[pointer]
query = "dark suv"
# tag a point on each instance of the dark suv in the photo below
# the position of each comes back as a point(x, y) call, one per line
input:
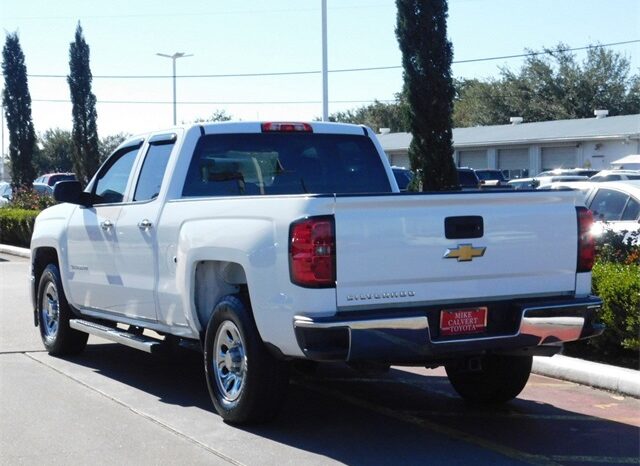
point(468, 179)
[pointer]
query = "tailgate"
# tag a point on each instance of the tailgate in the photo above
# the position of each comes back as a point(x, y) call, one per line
point(391, 249)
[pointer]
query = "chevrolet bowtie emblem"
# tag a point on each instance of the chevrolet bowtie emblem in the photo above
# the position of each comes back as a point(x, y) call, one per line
point(464, 253)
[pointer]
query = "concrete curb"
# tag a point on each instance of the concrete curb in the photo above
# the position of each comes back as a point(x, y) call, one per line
point(15, 251)
point(593, 374)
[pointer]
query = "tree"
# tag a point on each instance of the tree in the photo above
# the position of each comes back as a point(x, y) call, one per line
point(553, 86)
point(110, 143)
point(217, 115)
point(378, 115)
point(426, 58)
point(55, 152)
point(86, 154)
point(17, 106)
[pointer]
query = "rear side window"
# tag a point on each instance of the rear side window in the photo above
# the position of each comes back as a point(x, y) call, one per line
point(608, 204)
point(284, 163)
point(152, 173)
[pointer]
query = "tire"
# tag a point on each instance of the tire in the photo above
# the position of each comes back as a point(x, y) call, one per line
point(246, 383)
point(501, 378)
point(54, 313)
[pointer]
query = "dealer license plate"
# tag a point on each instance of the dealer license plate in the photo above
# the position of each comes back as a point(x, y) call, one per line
point(463, 321)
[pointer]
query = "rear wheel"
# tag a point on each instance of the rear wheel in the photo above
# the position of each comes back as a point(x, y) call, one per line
point(54, 314)
point(500, 378)
point(246, 383)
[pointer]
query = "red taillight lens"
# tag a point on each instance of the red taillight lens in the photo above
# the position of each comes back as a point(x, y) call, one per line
point(312, 252)
point(586, 243)
point(287, 127)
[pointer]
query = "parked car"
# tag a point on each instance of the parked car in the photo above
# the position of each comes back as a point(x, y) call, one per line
point(468, 179)
point(5, 193)
point(492, 179)
point(541, 182)
point(584, 187)
point(5, 190)
point(52, 178)
point(522, 183)
point(568, 172)
point(43, 189)
point(616, 175)
point(615, 206)
point(403, 177)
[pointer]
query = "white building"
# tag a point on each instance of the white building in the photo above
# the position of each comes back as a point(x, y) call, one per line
point(526, 149)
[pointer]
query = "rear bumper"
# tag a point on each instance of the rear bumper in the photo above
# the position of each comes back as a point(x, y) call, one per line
point(410, 335)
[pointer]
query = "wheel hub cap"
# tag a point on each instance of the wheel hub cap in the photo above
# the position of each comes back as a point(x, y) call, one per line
point(50, 311)
point(230, 364)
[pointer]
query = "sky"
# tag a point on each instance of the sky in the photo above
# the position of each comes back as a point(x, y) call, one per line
point(256, 37)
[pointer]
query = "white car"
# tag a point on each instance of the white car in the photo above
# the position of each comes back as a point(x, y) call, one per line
point(584, 187)
point(615, 206)
point(539, 182)
point(5, 193)
point(616, 175)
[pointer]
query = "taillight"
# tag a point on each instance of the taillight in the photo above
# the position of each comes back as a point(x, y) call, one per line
point(586, 243)
point(286, 127)
point(312, 252)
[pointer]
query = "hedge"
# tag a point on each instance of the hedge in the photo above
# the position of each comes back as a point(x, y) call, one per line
point(619, 287)
point(616, 279)
point(16, 226)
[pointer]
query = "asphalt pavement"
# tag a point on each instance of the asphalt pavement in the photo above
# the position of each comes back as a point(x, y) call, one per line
point(115, 405)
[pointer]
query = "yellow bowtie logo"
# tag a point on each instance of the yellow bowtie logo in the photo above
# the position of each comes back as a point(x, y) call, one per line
point(464, 253)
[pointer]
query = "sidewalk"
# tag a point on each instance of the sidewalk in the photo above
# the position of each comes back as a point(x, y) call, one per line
point(593, 374)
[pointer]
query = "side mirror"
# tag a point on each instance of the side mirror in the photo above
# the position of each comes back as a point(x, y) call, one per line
point(71, 192)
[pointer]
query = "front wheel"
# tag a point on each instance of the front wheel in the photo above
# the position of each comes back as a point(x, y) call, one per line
point(54, 314)
point(246, 383)
point(500, 378)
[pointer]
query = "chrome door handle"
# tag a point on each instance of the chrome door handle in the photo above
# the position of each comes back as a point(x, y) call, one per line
point(106, 225)
point(145, 224)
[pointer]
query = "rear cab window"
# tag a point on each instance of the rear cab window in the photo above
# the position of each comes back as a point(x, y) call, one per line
point(285, 163)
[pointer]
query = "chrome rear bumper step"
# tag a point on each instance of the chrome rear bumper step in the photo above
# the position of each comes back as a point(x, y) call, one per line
point(139, 342)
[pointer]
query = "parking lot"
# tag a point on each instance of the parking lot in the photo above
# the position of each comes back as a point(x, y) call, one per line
point(114, 405)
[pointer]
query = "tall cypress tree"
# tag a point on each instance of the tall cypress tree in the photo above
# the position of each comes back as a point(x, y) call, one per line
point(86, 153)
point(17, 107)
point(426, 58)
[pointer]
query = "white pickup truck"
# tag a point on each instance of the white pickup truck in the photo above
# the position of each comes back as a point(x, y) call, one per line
point(266, 243)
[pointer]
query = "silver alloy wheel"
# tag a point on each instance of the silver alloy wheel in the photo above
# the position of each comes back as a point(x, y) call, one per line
point(230, 364)
point(50, 311)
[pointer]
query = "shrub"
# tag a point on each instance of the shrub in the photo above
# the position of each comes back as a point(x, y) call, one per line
point(616, 279)
point(619, 287)
point(16, 226)
point(28, 199)
point(621, 248)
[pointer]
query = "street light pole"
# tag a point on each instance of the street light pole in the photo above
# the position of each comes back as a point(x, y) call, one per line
point(325, 77)
point(174, 57)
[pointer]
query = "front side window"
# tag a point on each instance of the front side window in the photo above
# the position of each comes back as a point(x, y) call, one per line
point(608, 204)
point(285, 163)
point(112, 181)
point(152, 173)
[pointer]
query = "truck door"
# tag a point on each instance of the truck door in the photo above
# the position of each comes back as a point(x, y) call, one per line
point(92, 237)
point(137, 257)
